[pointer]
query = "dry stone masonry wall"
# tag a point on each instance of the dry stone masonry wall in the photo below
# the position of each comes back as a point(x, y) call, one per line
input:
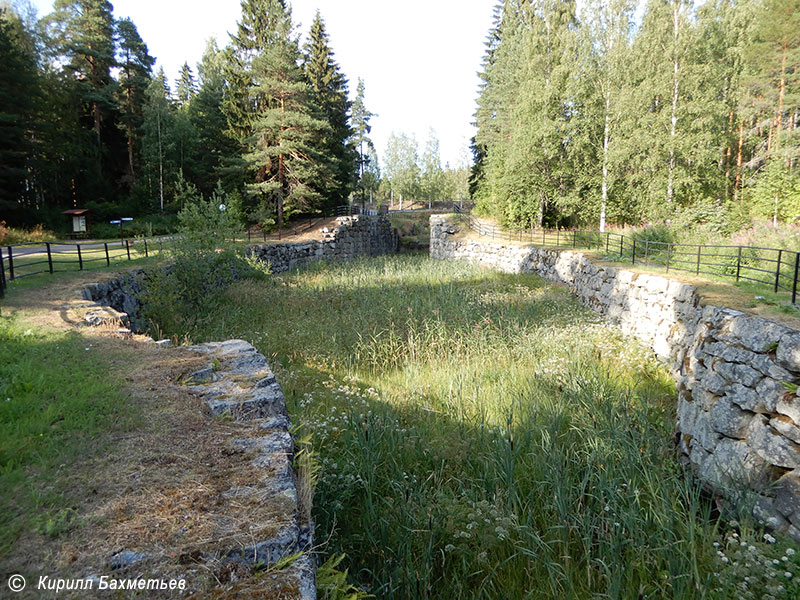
point(360, 235)
point(737, 424)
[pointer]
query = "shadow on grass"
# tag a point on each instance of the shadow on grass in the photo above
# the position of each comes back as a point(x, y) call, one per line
point(450, 466)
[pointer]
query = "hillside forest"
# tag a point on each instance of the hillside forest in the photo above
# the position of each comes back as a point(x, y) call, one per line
point(589, 113)
point(617, 111)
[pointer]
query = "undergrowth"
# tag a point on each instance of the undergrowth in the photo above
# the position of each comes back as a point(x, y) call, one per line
point(481, 435)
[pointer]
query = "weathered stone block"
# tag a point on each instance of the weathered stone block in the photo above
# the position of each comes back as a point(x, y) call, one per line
point(787, 493)
point(789, 405)
point(745, 397)
point(729, 420)
point(737, 373)
point(788, 352)
point(755, 333)
point(772, 446)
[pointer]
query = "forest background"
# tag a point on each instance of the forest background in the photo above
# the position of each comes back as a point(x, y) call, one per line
point(590, 113)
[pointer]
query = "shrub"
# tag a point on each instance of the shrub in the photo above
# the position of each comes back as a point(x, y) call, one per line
point(204, 260)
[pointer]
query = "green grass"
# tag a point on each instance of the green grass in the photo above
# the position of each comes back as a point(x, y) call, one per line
point(57, 402)
point(481, 435)
point(412, 228)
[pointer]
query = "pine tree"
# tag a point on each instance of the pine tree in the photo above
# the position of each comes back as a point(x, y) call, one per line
point(135, 65)
point(362, 142)
point(270, 112)
point(329, 93)
point(773, 76)
point(85, 33)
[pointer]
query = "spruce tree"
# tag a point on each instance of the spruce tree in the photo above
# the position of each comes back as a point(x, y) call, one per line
point(329, 93)
point(214, 148)
point(186, 87)
point(20, 97)
point(158, 147)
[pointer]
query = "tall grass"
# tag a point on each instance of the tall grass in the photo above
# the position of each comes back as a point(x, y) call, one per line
point(482, 436)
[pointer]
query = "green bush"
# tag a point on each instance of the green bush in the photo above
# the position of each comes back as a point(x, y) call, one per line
point(204, 259)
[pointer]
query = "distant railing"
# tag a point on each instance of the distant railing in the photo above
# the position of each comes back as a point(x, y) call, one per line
point(774, 267)
point(24, 260)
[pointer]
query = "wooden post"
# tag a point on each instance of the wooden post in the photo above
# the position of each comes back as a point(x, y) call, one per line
point(145, 249)
point(49, 258)
point(646, 251)
point(108, 258)
point(128, 249)
point(633, 254)
point(80, 258)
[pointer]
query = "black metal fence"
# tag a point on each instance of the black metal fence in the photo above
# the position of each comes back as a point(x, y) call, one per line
point(773, 267)
point(24, 260)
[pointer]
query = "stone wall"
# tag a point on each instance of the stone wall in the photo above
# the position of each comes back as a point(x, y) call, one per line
point(359, 235)
point(737, 425)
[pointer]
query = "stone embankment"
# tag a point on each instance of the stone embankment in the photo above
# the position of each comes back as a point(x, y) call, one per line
point(359, 235)
point(738, 424)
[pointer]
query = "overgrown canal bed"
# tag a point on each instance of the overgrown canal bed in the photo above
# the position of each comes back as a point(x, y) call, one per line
point(482, 435)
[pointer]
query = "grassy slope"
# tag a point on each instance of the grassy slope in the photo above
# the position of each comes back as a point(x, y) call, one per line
point(59, 400)
point(481, 435)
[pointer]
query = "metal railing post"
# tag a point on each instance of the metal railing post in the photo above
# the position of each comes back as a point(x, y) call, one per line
point(608, 239)
point(794, 282)
point(574, 238)
point(10, 264)
point(49, 258)
point(621, 248)
point(669, 255)
point(778, 270)
point(646, 251)
point(633, 254)
point(699, 249)
point(80, 257)
point(738, 263)
point(145, 249)
point(128, 249)
point(2, 275)
point(558, 237)
point(108, 258)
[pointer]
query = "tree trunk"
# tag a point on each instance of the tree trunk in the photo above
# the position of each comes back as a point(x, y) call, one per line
point(674, 117)
point(604, 186)
point(736, 196)
point(160, 162)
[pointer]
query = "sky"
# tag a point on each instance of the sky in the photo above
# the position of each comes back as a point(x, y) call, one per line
point(418, 58)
